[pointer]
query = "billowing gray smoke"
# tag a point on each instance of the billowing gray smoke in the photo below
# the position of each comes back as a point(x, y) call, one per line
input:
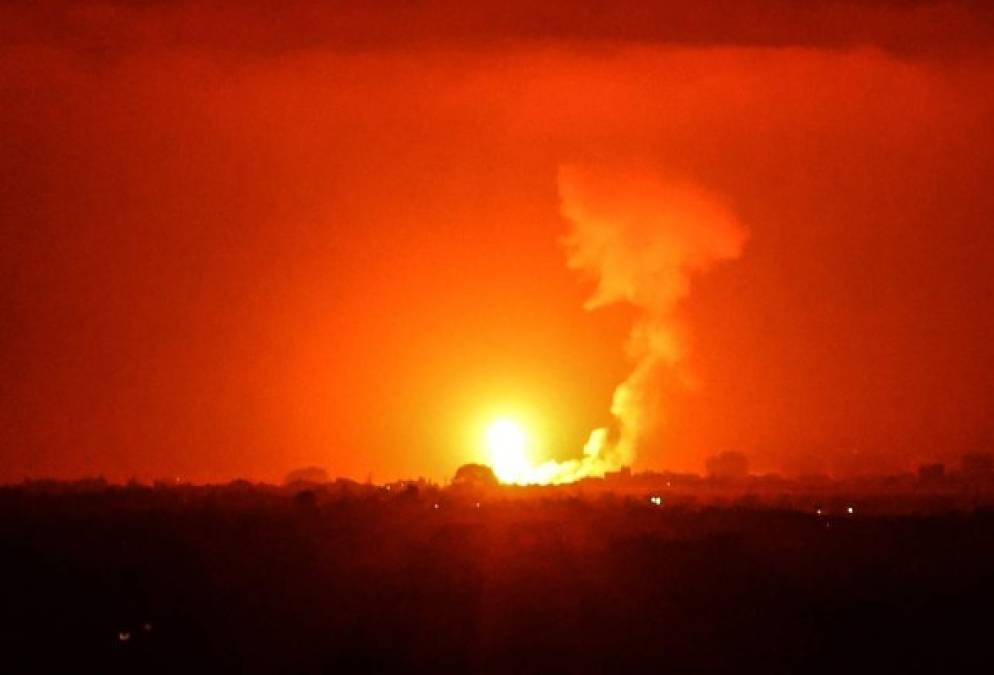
point(641, 236)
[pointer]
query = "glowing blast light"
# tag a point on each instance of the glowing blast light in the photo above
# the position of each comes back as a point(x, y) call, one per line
point(511, 452)
point(507, 442)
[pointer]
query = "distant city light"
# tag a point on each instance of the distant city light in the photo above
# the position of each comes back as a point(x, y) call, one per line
point(124, 636)
point(656, 500)
point(435, 506)
point(850, 510)
point(818, 511)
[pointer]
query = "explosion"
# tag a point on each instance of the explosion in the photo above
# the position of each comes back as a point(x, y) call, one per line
point(507, 443)
point(510, 450)
point(641, 236)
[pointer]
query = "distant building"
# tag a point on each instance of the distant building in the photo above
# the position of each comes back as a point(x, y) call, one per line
point(978, 465)
point(728, 466)
point(931, 473)
point(622, 474)
point(308, 474)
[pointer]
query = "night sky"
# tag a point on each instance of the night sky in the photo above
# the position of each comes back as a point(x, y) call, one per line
point(235, 241)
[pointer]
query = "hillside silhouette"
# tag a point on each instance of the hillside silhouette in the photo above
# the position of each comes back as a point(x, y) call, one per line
point(345, 577)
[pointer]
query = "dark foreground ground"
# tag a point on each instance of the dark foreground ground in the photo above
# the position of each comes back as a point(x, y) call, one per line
point(245, 581)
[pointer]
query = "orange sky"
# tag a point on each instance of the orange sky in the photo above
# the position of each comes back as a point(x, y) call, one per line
point(235, 241)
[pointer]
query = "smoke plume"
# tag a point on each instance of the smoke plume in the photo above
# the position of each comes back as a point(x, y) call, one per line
point(642, 237)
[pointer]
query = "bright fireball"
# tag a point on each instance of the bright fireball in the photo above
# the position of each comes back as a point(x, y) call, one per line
point(508, 444)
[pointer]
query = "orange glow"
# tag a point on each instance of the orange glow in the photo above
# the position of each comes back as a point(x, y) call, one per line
point(515, 456)
point(508, 445)
point(240, 246)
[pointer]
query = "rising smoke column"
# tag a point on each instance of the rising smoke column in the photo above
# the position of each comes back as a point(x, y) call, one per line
point(641, 236)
